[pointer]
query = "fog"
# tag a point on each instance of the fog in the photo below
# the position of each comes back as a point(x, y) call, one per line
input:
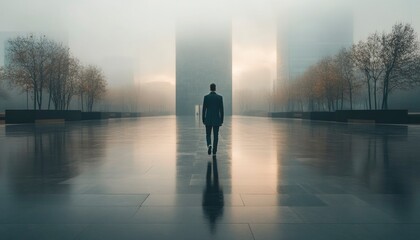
point(133, 41)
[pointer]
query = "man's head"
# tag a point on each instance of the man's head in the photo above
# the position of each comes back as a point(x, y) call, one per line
point(212, 87)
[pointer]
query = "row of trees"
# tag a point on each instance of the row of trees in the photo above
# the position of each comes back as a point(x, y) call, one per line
point(40, 66)
point(374, 68)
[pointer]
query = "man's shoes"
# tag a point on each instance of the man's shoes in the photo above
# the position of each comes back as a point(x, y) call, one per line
point(209, 149)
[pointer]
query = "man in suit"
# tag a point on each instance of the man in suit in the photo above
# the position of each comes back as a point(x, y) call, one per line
point(213, 115)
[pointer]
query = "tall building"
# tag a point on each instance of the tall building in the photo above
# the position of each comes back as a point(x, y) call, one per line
point(305, 36)
point(203, 56)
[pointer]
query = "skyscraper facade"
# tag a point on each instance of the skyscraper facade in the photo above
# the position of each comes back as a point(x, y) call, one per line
point(305, 36)
point(203, 56)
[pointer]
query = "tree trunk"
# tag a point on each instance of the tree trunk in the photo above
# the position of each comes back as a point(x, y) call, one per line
point(369, 95)
point(350, 96)
point(40, 99)
point(35, 97)
point(385, 93)
point(385, 101)
point(50, 94)
point(81, 100)
point(374, 94)
point(49, 100)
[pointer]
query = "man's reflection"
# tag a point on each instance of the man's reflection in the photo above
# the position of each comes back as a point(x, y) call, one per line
point(213, 200)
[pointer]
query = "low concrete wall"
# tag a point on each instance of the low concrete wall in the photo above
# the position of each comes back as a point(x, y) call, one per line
point(20, 116)
point(70, 115)
point(45, 116)
point(93, 116)
point(287, 114)
point(379, 116)
point(49, 121)
point(322, 116)
point(413, 118)
point(375, 116)
point(30, 116)
point(254, 114)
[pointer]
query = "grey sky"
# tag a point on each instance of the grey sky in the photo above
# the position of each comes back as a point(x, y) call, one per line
point(141, 33)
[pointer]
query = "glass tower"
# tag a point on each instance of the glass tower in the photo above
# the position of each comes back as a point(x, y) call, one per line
point(203, 56)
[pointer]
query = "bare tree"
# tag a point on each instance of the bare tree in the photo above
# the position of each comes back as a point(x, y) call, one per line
point(92, 86)
point(3, 93)
point(387, 62)
point(63, 74)
point(400, 58)
point(327, 79)
point(345, 67)
point(366, 57)
point(29, 58)
point(308, 89)
point(72, 81)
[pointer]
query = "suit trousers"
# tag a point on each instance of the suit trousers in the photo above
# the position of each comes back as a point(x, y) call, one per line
point(215, 136)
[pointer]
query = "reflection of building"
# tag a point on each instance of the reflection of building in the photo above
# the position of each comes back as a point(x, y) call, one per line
point(305, 36)
point(203, 56)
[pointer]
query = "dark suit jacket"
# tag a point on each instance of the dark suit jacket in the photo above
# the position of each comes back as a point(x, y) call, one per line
point(213, 112)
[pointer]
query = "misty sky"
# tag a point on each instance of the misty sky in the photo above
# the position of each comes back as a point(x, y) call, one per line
point(137, 37)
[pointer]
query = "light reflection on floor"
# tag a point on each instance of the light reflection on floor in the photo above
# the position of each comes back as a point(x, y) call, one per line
point(150, 178)
point(254, 155)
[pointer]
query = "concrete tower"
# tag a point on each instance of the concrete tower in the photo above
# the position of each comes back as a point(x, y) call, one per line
point(305, 36)
point(203, 56)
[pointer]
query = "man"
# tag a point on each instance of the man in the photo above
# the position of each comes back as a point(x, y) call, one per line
point(213, 115)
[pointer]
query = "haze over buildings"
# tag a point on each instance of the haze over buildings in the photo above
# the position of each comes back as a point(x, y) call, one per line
point(304, 37)
point(143, 34)
point(151, 175)
point(203, 56)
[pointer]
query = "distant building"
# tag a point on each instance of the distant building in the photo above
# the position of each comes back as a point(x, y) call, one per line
point(203, 56)
point(157, 97)
point(4, 38)
point(305, 36)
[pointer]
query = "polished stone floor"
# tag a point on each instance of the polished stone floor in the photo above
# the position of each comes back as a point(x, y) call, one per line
point(151, 178)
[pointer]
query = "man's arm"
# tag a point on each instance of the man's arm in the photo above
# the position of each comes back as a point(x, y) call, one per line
point(222, 111)
point(203, 112)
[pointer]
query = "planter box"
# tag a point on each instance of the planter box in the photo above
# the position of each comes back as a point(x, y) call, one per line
point(93, 116)
point(378, 116)
point(31, 116)
point(322, 116)
point(360, 116)
point(414, 118)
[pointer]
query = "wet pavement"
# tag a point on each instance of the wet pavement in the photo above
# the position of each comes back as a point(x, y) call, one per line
point(151, 178)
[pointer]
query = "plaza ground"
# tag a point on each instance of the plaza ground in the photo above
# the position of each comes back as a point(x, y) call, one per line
point(151, 178)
